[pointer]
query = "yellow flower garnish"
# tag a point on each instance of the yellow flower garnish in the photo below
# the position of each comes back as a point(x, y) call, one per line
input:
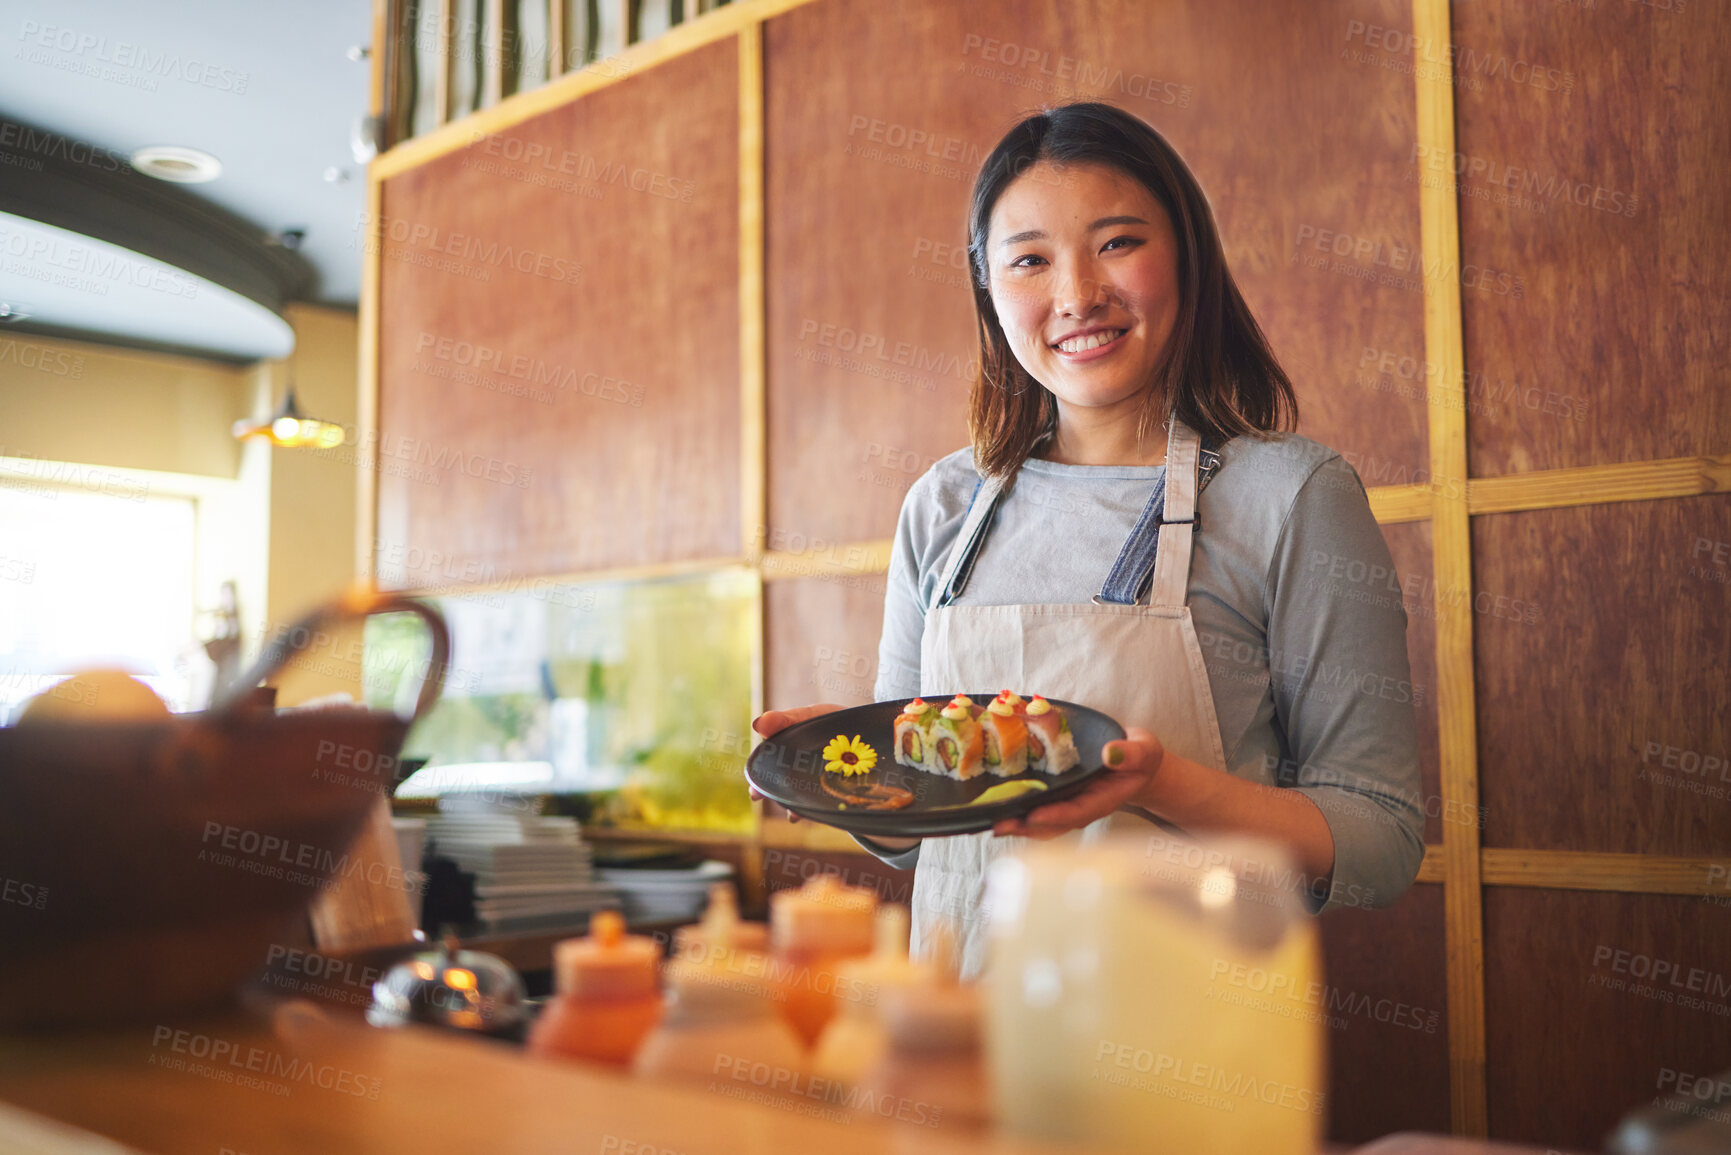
point(844, 757)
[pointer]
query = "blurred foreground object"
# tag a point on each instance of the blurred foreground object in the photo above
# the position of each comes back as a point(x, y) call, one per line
point(464, 990)
point(1155, 985)
point(151, 864)
point(95, 696)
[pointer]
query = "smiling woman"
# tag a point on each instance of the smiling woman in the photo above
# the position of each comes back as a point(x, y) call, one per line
point(1126, 400)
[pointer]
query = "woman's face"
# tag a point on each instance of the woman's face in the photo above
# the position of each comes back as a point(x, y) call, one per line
point(1083, 271)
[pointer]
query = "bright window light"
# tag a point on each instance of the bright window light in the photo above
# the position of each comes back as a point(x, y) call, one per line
point(93, 579)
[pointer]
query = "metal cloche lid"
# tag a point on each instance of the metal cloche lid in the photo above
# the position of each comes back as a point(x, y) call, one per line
point(463, 989)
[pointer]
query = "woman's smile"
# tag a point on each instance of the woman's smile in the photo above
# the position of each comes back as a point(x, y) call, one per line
point(1090, 344)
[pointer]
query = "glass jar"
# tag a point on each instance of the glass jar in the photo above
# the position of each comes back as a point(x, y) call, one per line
point(1155, 985)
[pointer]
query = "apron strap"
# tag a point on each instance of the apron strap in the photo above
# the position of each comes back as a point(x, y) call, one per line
point(1188, 461)
point(1171, 507)
point(971, 537)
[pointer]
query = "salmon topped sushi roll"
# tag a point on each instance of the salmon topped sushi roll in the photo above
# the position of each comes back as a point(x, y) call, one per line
point(957, 744)
point(1005, 736)
point(913, 732)
point(1051, 747)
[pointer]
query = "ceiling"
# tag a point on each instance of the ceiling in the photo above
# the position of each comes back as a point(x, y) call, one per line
point(266, 87)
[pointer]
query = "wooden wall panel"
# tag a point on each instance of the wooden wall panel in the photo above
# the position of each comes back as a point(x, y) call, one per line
point(1580, 1031)
point(1387, 1024)
point(1411, 546)
point(879, 113)
point(592, 252)
point(821, 639)
point(1602, 693)
point(788, 867)
point(1593, 138)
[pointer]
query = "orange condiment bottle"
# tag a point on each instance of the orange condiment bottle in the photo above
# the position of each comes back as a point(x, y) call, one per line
point(721, 932)
point(931, 1067)
point(721, 1026)
point(812, 930)
point(855, 1038)
point(607, 1000)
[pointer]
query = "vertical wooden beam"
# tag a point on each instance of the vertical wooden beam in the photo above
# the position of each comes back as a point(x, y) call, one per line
point(493, 60)
point(1463, 896)
point(442, 77)
point(556, 36)
point(622, 21)
point(381, 56)
point(367, 376)
point(753, 453)
point(753, 461)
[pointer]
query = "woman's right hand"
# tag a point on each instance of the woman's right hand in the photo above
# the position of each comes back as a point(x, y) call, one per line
point(772, 722)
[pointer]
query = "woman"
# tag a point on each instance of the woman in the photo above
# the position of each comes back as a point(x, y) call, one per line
point(1130, 531)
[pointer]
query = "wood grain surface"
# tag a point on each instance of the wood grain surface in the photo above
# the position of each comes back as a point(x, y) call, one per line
point(1599, 484)
point(879, 114)
point(592, 253)
point(347, 1089)
point(786, 867)
point(1387, 1025)
point(1580, 1030)
point(1593, 138)
point(1601, 672)
point(821, 639)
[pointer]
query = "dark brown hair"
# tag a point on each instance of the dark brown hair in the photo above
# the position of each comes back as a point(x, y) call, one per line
point(1217, 373)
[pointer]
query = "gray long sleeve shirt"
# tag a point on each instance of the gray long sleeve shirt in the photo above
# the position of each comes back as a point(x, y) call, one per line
point(1295, 601)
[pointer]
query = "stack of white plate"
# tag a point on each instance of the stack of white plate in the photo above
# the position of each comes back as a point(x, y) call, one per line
point(529, 870)
point(666, 895)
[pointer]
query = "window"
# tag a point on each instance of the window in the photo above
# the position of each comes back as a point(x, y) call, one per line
point(97, 578)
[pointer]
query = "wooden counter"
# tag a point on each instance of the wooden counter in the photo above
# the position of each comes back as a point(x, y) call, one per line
point(287, 1078)
point(332, 1086)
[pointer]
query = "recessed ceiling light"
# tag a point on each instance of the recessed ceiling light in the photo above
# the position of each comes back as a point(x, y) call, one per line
point(174, 163)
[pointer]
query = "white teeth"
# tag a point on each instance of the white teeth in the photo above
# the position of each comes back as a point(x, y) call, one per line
point(1092, 341)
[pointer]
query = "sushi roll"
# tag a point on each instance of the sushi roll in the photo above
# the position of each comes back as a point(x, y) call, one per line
point(913, 732)
point(1051, 747)
point(1005, 736)
point(957, 745)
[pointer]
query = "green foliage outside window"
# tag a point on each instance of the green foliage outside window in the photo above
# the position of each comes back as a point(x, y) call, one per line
point(630, 701)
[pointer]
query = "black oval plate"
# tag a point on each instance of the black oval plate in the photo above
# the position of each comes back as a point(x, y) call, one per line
point(788, 769)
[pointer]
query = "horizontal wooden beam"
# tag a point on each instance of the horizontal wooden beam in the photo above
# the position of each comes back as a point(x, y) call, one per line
point(1592, 870)
point(858, 557)
point(536, 585)
point(1393, 504)
point(1600, 484)
point(676, 41)
point(1622, 873)
point(1431, 869)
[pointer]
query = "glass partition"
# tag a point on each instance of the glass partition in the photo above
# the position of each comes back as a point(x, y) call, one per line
point(627, 702)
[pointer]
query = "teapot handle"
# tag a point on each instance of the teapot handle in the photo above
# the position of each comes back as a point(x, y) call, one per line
point(359, 602)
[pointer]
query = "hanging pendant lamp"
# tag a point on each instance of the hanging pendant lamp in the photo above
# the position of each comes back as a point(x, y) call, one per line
point(291, 429)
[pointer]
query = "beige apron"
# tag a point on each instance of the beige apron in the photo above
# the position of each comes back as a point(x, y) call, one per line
point(1139, 663)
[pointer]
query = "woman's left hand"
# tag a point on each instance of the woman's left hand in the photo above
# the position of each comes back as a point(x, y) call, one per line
point(1131, 766)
